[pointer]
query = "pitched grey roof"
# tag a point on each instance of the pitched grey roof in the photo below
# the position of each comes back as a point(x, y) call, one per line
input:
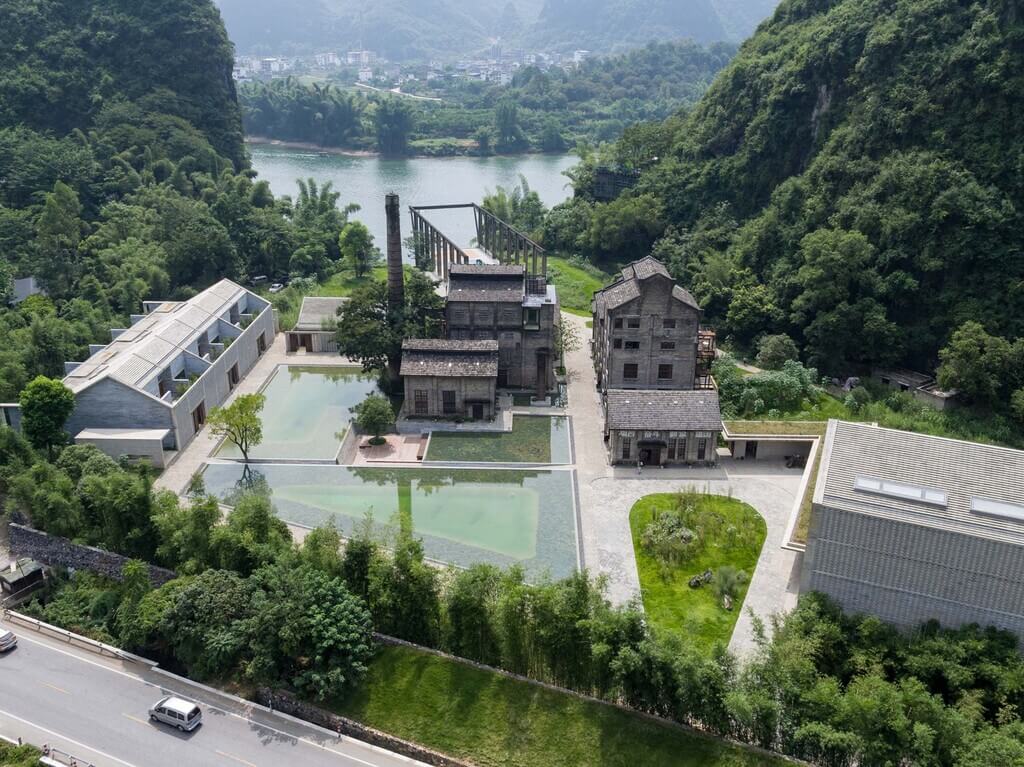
point(961, 471)
point(316, 310)
point(648, 266)
point(627, 288)
point(503, 287)
point(487, 270)
point(692, 410)
point(441, 357)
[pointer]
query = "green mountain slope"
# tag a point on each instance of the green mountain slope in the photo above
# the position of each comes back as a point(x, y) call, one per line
point(861, 163)
point(62, 62)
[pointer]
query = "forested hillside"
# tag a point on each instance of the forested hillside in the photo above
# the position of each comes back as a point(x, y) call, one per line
point(123, 175)
point(66, 65)
point(855, 179)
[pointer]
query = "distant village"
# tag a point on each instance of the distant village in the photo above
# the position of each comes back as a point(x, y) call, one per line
point(498, 64)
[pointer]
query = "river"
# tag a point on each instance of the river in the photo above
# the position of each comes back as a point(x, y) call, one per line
point(418, 181)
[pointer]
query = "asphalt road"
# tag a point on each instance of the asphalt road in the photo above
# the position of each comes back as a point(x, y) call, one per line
point(96, 708)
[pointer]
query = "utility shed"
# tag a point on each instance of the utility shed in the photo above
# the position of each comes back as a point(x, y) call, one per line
point(22, 576)
point(449, 379)
point(315, 329)
point(910, 527)
point(134, 444)
point(662, 427)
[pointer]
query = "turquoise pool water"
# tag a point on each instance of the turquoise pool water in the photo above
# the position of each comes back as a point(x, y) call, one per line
point(463, 516)
point(307, 412)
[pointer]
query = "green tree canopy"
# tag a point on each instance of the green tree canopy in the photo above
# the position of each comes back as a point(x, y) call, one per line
point(240, 422)
point(46, 404)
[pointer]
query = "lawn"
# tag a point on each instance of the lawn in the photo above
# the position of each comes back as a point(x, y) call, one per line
point(528, 442)
point(735, 538)
point(494, 721)
point(575, 284)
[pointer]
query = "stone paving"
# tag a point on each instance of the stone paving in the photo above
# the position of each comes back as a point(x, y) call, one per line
point(607, 494)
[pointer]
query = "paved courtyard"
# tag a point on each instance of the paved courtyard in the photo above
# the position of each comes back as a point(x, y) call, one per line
point(607, 494)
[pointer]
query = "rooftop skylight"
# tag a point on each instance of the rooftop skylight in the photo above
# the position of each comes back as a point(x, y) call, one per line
point(902, 490)
point(994, 508)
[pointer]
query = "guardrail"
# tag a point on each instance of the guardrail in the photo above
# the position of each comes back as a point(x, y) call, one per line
point(52, 757)
point(67, 636)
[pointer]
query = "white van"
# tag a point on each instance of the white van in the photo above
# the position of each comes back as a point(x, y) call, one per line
point(176, 712)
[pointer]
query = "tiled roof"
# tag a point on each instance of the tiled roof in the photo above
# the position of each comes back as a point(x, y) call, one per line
point(655, 410)
point(441, 357)
point(315, 311)
point(490, 289)
point(648, 266)
point(627, 288)
point(962, 471)
point(486, 270)
point(618, 294)
point(682, 294)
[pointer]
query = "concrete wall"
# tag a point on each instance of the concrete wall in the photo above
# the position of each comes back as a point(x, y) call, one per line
point(213, 388)
point(110, 404)
point(907, 574)
point(10, 415)
point(771, 450)
point(616, 438)
point(654, 305)
point(60, 552)
point(150, 450)
point(464, 388)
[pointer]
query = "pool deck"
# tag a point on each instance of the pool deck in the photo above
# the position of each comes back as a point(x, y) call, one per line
point(190, 460)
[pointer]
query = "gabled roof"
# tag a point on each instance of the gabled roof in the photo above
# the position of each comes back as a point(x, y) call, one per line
point(656, 410)
point(628, 286)
point(450, 358)
point(965, 487)
point(486, 283)
point(486, 270)
point(315, 311)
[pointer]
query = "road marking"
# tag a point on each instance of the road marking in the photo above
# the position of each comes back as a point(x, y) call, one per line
point(238, 759)
point(55, 687)
point(136, 719)
point(48, 646)
point(65, 737)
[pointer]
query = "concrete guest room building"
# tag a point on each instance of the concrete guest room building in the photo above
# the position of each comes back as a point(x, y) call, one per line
point(910, 527)
point(151, 388)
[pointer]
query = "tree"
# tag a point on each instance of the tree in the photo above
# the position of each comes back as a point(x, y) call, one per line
point(252, 535)
point(46, 404)
point(976, 364)
point(240, 422)
point(393, 121)
point(371, 333)
point(59, 231)
point(185, 531)
point(567, 339)
point(321, 550)
point(357, 249)
point(551, 138)
point(506, 125)
point(1017, 405)
point(374, 415)
point(775, 350)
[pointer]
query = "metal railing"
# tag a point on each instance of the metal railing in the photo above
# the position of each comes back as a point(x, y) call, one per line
point(67, 636)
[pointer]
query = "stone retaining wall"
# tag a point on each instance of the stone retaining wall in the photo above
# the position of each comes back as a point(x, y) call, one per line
point(287, 703)
point(60, 552)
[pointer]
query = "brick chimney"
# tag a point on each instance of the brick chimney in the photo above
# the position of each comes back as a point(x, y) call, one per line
point(396, 278)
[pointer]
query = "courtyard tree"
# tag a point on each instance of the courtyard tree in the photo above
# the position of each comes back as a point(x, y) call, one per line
point(774, 351)
point(46, 404)
point(240, 422)
point(357, 249)
point(374, 415)
point(567, 339)
point(370, 333)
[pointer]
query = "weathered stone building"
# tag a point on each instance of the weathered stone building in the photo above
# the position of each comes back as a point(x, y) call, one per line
point(910, 527)
point(449, 379)
point(659, 428)
point(316, 328)
point(520, 312)
point(177, 361)
point(647, 332)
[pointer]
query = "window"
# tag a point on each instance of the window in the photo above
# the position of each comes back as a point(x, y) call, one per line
point(995, 508)
point(667, 346)
point(420, 399)
point(618, 323)
point(633, 323)
point(664, 372)
point(448, 402)
point(634, 345)
point(617, 343)
point(668, 324)
point(531, 319)
point(261, 344)
point(630, 371)
point(902, 490)
point(702, 449)
point(233, 377)
point(627, 447)
point(460, 316)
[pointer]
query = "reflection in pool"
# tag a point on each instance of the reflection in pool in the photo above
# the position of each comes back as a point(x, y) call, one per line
point(464, 516)
point(307, 412)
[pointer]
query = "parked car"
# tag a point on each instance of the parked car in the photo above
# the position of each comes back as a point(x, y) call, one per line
point(177, 712)
point(7, 640)
point(277, 287)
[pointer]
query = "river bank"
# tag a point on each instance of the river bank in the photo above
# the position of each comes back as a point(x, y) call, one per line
point(420, 148)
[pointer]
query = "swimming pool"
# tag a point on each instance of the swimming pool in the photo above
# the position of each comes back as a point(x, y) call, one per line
point(463, 516)
point(307, 412)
